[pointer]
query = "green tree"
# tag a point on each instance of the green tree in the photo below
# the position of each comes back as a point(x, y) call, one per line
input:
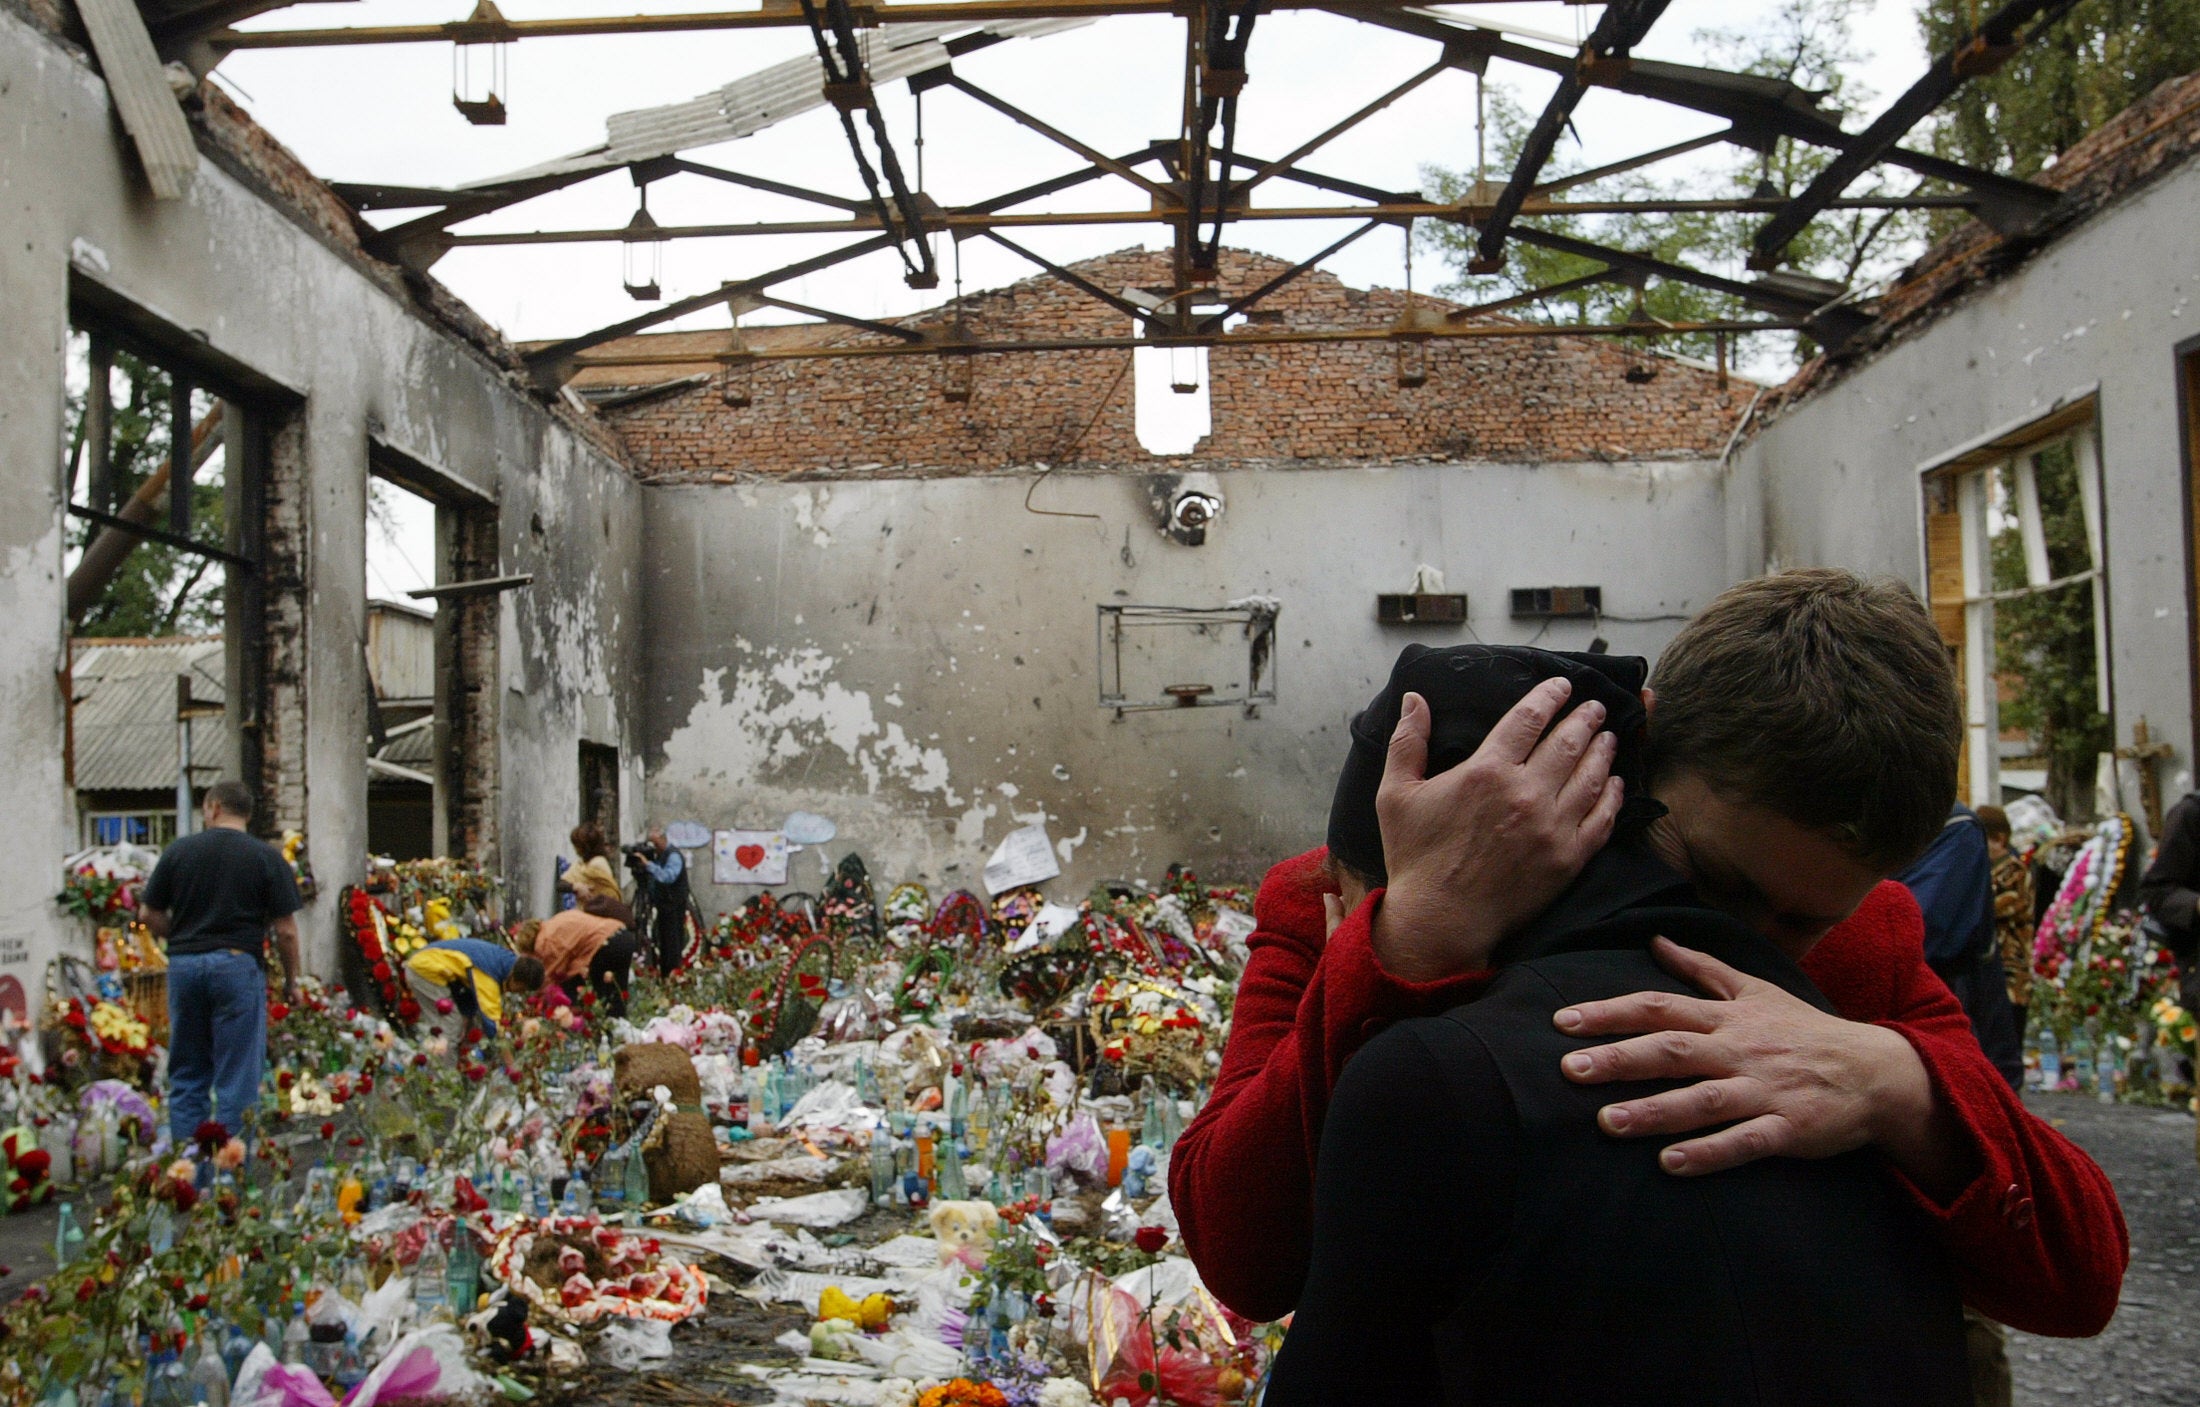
point(2043, 642)
point(2092, 64)
point(158, 590)
point(1806, 42)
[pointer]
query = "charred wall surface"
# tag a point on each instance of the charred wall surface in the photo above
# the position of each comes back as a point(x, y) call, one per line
point(257, 273)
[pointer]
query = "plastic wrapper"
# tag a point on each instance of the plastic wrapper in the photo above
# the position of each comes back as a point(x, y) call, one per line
point(427, 1365)
point(633, 1343)
point(1001, 1061)
point(262, 1382)
point(819, 1209)
point(1079, 1151)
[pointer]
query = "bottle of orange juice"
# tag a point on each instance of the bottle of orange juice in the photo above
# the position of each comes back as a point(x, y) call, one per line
point(350, 1194)
point(1119, 1152)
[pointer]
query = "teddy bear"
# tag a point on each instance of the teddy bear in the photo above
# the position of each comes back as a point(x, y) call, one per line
point(965, 1231)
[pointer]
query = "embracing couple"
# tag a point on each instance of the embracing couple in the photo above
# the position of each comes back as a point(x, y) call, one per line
point(1595, 1059)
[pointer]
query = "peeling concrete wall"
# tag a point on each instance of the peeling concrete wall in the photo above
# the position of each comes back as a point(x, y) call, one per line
point(265, 289)
point(916, 658)
point(1835, 479)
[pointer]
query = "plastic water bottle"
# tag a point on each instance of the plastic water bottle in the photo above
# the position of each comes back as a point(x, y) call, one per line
point(2050, 1059)
point(68, 1237)
point(580, 1198)
point(208, 1381)
point(2081, 1060)
point(882, 1169)
point(2104, 1072)
point(610, 1186)
point(429, 1277)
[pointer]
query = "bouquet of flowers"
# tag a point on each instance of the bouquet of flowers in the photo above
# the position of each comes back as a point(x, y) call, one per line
point(1148, 1025)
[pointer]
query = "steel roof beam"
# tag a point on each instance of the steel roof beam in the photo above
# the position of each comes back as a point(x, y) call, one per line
point(1619, 29)
point(1999, 37)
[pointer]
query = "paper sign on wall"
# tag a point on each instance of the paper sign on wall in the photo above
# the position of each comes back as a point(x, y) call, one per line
point(748, 857)
point(1024, 856)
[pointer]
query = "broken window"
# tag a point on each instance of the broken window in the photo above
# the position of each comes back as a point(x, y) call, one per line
point(2015, 567)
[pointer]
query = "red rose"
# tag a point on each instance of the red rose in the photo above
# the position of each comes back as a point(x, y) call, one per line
point(284, 1079)
point(75, 1018)
point(85, 1291)
point(276, 1011)
point(420, 1057)
point(34, 1164)
point(381, 972)
point(1151, 1239)
point(328, 1130)
point(366, 1084)
point(187, 1196)
point(210, 1135)
point(196, 1303)
point(476, 1072)
point(409, 1009)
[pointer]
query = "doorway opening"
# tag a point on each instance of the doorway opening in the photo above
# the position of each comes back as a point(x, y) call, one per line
point(431, 650)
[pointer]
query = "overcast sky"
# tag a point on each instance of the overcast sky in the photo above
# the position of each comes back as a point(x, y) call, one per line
point(384, 114)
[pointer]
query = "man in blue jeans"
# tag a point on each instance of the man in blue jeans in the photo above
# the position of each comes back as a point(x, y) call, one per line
point(214, 896)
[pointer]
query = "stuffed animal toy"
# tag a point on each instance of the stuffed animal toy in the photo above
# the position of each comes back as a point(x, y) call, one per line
point(1138, 1172)
point(965, 1231)
point(869, 1313)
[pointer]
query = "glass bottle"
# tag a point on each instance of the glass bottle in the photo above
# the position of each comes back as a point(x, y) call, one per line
point(352, 1284)
point(958, 1106)
point(1151, 1131)
point(637, 1187)
point(462, 1274)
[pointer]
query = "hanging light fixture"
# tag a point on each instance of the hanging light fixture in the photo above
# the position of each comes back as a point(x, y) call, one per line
point(1184, 370)
point(481, 65)
point(642, 255)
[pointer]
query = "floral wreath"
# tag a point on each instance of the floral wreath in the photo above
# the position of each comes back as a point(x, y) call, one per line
point(640, 1285)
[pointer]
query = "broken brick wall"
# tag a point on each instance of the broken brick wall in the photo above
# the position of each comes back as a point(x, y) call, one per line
point(1500, 398)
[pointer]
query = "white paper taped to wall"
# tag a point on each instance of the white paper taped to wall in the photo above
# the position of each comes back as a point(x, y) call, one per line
point(1024, 856)
point(748, 857)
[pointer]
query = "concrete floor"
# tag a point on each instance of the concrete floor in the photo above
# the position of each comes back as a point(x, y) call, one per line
point(2150, 1352)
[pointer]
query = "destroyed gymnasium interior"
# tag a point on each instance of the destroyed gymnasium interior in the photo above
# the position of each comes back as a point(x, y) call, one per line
point(952, 471)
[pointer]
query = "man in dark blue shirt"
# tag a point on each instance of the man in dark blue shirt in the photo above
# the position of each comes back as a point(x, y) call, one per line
point(1954, 885)
point(214, 896)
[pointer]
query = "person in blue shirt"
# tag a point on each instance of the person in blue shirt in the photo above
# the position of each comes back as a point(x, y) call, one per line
point(664, 869)
point(1954, 885)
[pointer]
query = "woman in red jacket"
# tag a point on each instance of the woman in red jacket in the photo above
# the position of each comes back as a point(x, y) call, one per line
point(2030, 1223)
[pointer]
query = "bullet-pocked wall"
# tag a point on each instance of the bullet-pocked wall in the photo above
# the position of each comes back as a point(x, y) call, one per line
point(2100, 312)
point(258, 269)
point(917, 659)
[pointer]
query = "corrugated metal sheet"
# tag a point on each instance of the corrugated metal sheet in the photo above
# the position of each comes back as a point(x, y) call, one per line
point(126, 713)
point(749, 105)
point(400, 650)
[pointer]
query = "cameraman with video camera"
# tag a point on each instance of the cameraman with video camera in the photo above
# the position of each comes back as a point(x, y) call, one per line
point(663, 869)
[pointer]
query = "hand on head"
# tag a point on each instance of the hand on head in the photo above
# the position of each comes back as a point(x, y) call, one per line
point(1478, 850)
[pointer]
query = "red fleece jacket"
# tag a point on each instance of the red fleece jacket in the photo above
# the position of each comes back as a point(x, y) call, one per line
point(2037, 1237)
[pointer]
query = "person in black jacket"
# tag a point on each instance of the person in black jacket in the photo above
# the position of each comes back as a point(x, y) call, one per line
point(1479, 1238)
point(2170, 889)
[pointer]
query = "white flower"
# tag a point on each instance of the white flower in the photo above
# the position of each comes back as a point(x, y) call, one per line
point(1064, 1392)
point(897, 1392)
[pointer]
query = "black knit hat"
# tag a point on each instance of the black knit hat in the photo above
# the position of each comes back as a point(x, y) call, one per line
point(1469, 688)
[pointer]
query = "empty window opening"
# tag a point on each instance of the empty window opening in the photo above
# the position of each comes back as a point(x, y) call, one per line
point(2015, 564)
point(430, 663)
point(1174, 411)
point(148, 555)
